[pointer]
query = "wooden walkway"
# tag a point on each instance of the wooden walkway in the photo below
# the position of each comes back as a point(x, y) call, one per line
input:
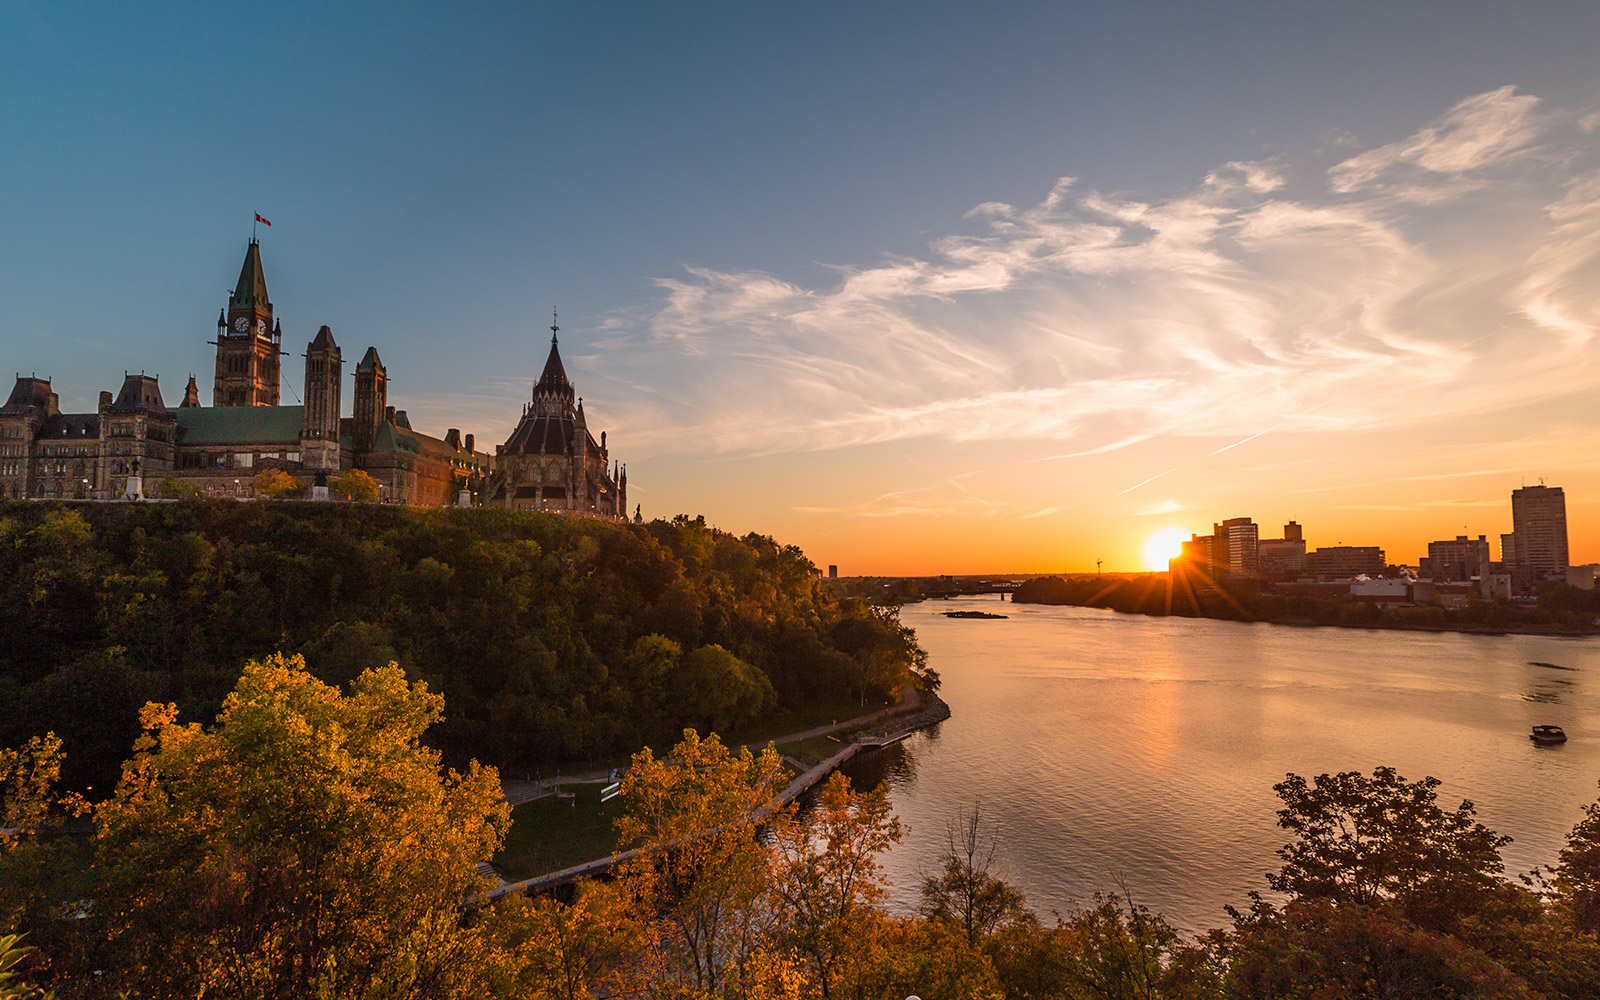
point(793, 790)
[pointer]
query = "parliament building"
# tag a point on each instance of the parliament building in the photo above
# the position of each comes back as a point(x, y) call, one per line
point(134, 440)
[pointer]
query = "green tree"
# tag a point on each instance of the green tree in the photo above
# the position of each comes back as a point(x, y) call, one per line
point(355, 485)
point(173, 488)
point(306, 846)
point(1369, 840)
point(1577, 875)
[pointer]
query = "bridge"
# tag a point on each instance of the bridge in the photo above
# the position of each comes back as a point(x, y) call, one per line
point(971, 589)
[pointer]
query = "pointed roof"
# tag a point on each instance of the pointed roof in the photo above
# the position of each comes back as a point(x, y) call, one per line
point(555, 374)
point(191, 394)
point(251, 292)
point(324, 342)
point(369, 361)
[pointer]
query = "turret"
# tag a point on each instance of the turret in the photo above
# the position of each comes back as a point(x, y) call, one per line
point(372, 397)
point(319, 427)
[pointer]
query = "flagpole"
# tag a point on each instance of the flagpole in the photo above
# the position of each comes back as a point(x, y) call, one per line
point(253, 225)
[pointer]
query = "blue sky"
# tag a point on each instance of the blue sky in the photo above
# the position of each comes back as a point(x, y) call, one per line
point(817, 270)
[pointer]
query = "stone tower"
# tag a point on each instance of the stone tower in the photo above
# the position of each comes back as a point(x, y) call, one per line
point(319, 428)
point(372, 398)
point(247, 341)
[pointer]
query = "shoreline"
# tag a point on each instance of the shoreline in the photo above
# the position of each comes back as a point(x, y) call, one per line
point(1553, 632)
point(930, 710)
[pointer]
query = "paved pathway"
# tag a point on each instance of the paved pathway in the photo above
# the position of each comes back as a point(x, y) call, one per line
point(517, 792)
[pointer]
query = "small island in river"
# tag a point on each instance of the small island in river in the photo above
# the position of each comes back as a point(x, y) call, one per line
point(973, 614)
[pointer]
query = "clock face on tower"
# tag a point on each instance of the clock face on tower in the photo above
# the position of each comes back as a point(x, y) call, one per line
point(241, 324)
point(261, 328)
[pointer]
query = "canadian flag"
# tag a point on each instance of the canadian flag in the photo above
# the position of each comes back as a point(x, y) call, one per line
point(264, 222)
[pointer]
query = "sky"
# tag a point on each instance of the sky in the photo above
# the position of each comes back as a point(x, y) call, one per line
point(920, 287)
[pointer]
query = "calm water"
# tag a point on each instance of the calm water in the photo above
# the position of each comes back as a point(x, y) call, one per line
point(1102, 744)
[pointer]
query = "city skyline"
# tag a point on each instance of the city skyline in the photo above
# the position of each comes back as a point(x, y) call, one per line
point(1367, 306)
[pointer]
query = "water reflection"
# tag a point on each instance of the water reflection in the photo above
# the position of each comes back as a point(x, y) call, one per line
point(1102, 744)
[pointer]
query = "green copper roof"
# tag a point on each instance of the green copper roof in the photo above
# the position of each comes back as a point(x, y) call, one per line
point(199, 425)
point(251, 292)
point(369, 361)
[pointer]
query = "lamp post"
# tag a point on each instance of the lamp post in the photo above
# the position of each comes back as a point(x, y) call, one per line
point(236, 493)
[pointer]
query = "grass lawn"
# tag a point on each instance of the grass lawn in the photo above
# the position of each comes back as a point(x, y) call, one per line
point(786, 721)
point(547, 834)
point(813, 751)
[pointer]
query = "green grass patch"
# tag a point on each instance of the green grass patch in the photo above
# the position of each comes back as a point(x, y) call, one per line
point(812, 751)
point(548, 834)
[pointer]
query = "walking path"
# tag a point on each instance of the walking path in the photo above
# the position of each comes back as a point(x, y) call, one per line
point(910, 715)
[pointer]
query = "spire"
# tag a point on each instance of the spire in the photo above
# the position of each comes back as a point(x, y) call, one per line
point(370, 362)
point(324, 342)
point(222, 319)
point(554, 379)
point(191, 394)
point(251, 292)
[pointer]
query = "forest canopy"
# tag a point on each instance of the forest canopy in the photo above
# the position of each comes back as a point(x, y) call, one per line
point(552, 638)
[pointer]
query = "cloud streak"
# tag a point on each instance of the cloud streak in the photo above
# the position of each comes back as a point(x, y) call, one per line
point(1448, 272)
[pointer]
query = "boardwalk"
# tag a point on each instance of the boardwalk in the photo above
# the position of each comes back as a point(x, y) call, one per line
point(911, 716)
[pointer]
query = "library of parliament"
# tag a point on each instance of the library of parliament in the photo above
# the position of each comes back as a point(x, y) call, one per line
point(134, 440)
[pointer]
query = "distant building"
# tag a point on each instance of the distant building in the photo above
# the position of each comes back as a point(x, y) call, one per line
point(1539, 521)
point(1282, 558)
point(1457, 560)
point(1582, 577)
point(134, 440)
point(1508, 548)
point(1345, 562)
point(1236, 543)
point(833, 572)
point(552, 462)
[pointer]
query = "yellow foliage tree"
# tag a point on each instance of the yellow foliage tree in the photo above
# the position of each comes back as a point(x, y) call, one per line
point(308, 845)
point(355, 485)
point(274, 483)
point(702, 868)
point(827, 883)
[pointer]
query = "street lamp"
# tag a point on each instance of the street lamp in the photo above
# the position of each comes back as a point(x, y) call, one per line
point(236, 489)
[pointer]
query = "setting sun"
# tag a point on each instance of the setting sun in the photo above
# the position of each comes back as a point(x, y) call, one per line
point(1162, 546)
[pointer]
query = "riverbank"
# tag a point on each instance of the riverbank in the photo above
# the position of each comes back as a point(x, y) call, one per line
point(1464, 628)
point(867, 732)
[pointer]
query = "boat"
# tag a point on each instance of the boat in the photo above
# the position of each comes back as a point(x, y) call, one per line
point(1548, 734)
point(971, 614)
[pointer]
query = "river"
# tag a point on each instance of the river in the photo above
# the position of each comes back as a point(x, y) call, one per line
point(1102, 744)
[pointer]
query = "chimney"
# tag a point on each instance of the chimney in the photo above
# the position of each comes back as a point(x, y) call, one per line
point(388, 414)
point(469, 443)
point(452, 437)
point(105, 401)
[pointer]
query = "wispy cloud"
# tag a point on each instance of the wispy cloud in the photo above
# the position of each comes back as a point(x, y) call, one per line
point(1448, 273)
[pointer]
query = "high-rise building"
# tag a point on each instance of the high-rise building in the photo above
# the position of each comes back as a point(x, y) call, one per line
point(1539, 520)
point(1237, 541)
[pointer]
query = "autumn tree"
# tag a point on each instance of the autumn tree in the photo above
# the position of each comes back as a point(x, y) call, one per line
point(28, 775)
point(1370, 840)
point(355, 485)
point(307, 845)
point(693, 816)
point(275, 483)
point(569, 951)
point(827, 883)
point(963, 890)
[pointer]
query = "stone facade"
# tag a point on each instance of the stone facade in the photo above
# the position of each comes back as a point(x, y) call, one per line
point(552, 462)
point(220, 449)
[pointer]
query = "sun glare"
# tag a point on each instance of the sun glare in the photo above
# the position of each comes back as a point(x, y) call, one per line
point(1163, 545)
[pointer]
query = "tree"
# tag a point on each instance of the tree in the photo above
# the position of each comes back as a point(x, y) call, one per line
point(355, 485)
point(570, 951)
point(716, 690)
point(1577, 875)
point(306, 846)
point(1368, 840)
point(701, 866)
point(28, 776)
point(275, 483)
point(963, 891)
point(827, 882)
point(173, 488)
